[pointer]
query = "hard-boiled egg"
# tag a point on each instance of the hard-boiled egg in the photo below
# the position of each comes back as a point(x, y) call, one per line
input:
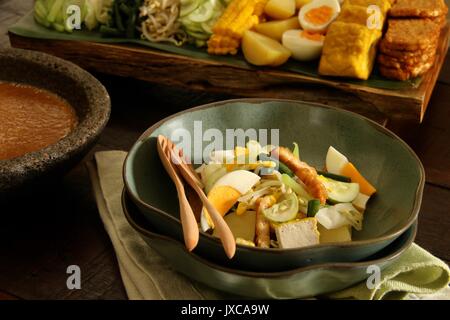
point(303, 45)
point(226, 192)
point(335, 161)
point(317, 15)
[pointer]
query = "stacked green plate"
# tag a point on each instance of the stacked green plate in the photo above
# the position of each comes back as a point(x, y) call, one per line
point(381, 156)
point(303, 282)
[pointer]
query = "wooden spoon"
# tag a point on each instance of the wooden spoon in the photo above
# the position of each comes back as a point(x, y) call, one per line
point(187, 217)
point(223, 230)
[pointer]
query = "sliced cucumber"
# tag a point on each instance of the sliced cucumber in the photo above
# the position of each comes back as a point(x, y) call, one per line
point(187, 7)
point(340, 191)
point(202, 13)
point(283, 211)
point(40, 10)
point(296, 187)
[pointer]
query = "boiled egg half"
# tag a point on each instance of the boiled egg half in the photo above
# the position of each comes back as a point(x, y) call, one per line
point(304, 45)
point(226, 192)
point(317, 15)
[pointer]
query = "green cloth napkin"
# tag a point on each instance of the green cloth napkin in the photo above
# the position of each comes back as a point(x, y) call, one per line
point(416, 272)
point(416, 275)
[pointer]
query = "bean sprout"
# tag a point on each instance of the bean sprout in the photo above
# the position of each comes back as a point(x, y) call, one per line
point(160, 21)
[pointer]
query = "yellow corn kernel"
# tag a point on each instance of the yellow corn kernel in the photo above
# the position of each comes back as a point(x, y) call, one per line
point(239, 16)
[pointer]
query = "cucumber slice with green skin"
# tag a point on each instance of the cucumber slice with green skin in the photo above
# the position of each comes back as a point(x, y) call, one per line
point(40, 10)
point(313, 207)
point(41, 21)
point(54, 12)
point(338, 191)
point(296, 187)
point(58, 27)
point(296, 151)
point(283, 211)
point(202, 13)
point(333, 176)
point(188, 7)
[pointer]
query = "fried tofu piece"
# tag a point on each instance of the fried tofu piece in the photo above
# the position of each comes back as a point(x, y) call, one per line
point(297, 233)
point(419, 8)
point(349, 50)
point(411, 34)
point(384, 5)
point(356, 14)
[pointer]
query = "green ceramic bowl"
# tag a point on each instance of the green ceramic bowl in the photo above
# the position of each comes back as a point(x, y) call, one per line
point(297, 283)
point(382, 157)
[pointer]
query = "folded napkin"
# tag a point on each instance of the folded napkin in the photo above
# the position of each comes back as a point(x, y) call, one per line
point(416, 275)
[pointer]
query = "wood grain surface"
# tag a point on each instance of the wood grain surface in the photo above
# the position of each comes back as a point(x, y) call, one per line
point(43, 233)
point(214, 77)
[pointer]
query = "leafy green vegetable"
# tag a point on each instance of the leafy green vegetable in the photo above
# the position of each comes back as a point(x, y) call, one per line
point(124, 19)
point(296, 187)
point(296, 151)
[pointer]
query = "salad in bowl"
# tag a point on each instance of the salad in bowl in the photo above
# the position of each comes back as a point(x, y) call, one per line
point(271, 197)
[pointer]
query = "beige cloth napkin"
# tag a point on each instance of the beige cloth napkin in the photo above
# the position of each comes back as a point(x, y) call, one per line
point(145, 274)
point(133, 254)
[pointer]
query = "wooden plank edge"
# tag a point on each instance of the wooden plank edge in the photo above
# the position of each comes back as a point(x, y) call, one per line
point(433, 75)
point(389, 102)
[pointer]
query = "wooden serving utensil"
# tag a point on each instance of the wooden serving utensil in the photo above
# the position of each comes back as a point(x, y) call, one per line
point(187, 217)
point(225, 234)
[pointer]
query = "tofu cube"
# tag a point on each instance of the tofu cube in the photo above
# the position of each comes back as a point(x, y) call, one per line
point(298, 233)
point(349, 50)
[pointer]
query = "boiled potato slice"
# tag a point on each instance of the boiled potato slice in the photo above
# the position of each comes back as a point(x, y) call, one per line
point(261, 50)
point(342, 234)
point(301, 3)
point(280, 9)
point(242, 226)
point(275, 29)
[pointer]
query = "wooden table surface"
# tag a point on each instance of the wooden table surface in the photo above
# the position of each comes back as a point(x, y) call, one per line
point(59, 225)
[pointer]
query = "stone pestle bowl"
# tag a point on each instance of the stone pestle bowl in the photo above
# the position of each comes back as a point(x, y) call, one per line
point(82, 91)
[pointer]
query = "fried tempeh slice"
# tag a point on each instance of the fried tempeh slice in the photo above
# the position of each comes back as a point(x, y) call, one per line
point(401, 54)
point(411, 34)
point(307, 174)
point(405, 73)
point(400, 62)
point(418, 8)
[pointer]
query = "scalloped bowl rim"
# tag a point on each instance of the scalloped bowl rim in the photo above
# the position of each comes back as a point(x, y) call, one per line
point(357, 243)
point(275, 274)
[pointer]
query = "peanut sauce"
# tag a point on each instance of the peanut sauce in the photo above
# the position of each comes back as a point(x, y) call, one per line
point(31, 119)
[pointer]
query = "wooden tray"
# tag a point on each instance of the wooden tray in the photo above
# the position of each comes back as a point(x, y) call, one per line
point(197, 74)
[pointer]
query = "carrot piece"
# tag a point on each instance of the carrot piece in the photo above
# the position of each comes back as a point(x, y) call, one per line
point(366, 188)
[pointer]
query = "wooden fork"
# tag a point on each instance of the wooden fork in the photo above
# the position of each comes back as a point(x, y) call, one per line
point(224, 232)
point(187, 217)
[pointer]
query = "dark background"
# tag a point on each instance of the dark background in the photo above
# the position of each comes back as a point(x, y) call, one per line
point(59, 225)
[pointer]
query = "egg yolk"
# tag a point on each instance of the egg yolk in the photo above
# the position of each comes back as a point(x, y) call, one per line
point(319, 15)
point(311, 36)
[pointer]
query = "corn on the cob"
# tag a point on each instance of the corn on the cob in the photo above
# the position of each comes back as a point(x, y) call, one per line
point(239, 16)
